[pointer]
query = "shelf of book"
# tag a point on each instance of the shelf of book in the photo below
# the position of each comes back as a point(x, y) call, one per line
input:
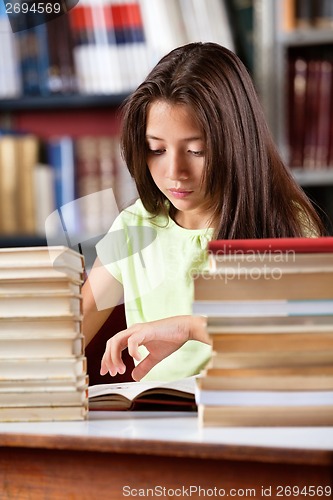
point(54, 102)
point(304, 37)
point(294, 76)
point(65, 93)
point(22, 241)
point(314, 177)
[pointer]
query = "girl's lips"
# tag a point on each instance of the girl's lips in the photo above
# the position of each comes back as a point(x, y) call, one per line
point(180, 193)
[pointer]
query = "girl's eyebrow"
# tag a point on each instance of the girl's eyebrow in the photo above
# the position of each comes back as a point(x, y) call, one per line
point(186, 139)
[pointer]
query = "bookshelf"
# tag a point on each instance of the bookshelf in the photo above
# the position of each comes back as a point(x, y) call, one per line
point(74, 115)
point(280, 43)
point(95, 56)
point(46, 118)
point(64, 83)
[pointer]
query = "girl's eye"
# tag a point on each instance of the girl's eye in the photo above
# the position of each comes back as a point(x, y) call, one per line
point(156, 151)
point(197, 153)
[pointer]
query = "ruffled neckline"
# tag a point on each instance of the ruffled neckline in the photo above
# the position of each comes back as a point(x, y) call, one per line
point(203, 235)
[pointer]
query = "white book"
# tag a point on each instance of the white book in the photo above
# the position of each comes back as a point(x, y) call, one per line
point(42, 271)
point(132, 395)
point(164, 26)
point(41, 348)
point(44, 385)
point(272, 324)
point(124, 50)
point(45, 203)
point(207, 22)
point(270, 328)
point(14, 327)
point(263, 398)
point(56, 256)
point(33, 304)
point(10, 81)
point(97, 62)
point(55, 284)
point(219, 24)
point(44, 398)
point(42, 369)
point(262, 307)
point(43, 413)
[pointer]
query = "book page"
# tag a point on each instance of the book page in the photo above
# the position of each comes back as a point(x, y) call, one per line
point(131, 390)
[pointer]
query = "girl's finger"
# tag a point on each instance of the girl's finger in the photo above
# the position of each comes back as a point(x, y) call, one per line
point(144, 367)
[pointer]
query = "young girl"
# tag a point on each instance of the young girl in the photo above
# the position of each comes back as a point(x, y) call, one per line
point(196, 142)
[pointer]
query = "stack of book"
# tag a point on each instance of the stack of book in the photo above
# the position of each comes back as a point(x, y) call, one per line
point(43, 373)
point(269, 309)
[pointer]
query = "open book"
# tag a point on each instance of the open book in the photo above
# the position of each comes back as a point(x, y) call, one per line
point(167, 396)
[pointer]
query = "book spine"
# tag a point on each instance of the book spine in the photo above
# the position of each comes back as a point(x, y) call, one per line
point(45, 204)
point(82, 27)
point(60, 153)
point(61, 74)
point(8, 185)
point(241, 14)
point(34, 59)
point(311, 114)
point(98, 38)
point(26, 40)
point(296, 109)
point(324, 113)
point(323, 14)
point(125, 44)
point(27, 161)
point(288, 17)
point(309, 109)
point(10, 78)
point(139, 46)
point(107, 165)
point(42, 58)
point(304, 13)
point(125, 188)
point(88, 182)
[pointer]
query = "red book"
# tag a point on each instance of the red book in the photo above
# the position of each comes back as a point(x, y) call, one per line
point(298, 245)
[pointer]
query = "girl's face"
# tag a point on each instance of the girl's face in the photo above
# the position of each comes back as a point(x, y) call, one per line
point(175, 158)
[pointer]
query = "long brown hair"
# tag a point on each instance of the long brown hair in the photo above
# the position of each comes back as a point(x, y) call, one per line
point(252, 193)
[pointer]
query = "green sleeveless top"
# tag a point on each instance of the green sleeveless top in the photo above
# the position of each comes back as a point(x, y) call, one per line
point(154, 258)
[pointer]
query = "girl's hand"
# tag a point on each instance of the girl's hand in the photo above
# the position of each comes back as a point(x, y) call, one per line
point(161, 338)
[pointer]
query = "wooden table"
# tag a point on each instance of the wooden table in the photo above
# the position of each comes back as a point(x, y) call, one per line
point(126, 455)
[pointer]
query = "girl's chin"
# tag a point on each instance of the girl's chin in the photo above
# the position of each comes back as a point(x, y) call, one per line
point(182, 205)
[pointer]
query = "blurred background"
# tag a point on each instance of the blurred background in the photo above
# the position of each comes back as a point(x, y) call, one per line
point(62, 83)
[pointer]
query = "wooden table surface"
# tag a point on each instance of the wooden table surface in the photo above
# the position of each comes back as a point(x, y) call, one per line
point(127, 454)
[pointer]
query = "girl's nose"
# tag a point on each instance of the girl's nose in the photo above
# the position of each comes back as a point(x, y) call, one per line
point(177, 169)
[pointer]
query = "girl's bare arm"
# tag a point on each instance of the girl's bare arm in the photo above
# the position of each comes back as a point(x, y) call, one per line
point(101, 293)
